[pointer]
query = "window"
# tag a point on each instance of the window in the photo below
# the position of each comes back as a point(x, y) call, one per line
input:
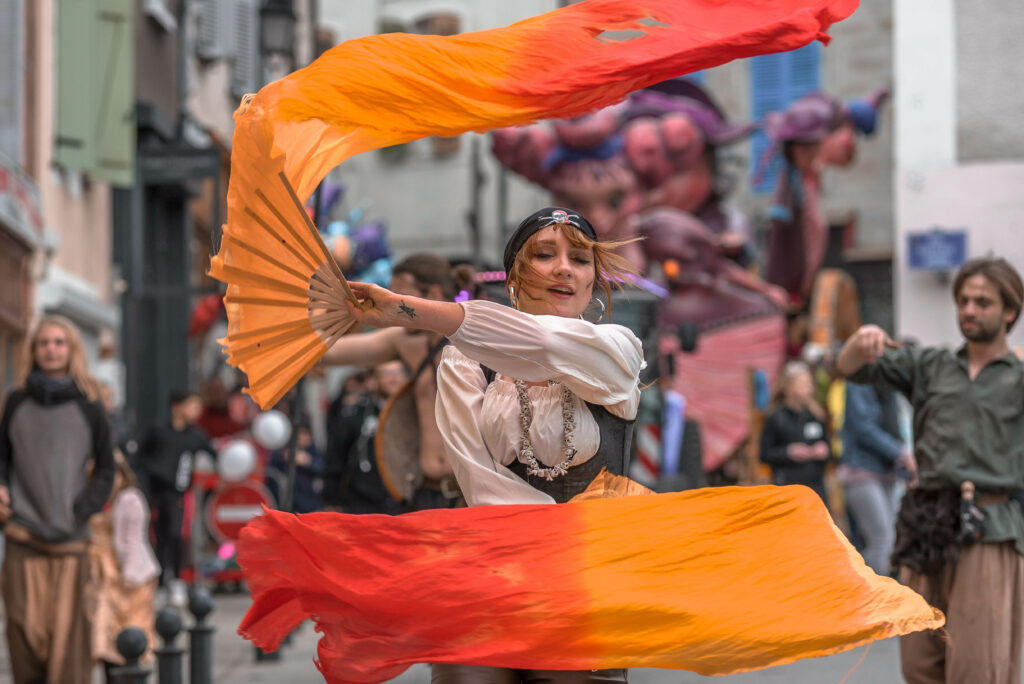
point(11, 79)
point(213, 28)
point(160, 13)
point(95, 90)
point(437, 24)
point(775, 82)
point(245, 76)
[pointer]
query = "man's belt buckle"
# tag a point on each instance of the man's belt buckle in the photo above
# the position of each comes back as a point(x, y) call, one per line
point(450, 488)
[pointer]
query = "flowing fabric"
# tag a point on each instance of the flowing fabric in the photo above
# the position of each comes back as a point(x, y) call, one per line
point(388, 89)
point(716, 581)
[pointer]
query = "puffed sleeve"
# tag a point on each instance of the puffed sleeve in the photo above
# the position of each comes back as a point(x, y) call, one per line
point(600, 364)
point(460, 397)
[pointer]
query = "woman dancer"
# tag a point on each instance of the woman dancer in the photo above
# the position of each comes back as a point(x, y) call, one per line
point(533, 402)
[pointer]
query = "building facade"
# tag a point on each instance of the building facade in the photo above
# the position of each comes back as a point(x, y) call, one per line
point(959, 163)
point(195, 59)
point(426, 189)
point(60, 66)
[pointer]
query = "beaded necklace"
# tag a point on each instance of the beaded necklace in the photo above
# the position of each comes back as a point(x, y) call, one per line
point(533, 467)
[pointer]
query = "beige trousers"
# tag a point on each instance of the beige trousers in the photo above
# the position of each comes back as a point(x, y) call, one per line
point(982, 596)
point(48, 605)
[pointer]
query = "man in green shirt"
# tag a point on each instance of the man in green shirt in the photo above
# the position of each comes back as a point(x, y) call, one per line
point(968, 427)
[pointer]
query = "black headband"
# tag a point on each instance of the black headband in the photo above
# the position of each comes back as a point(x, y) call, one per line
point(538, 220)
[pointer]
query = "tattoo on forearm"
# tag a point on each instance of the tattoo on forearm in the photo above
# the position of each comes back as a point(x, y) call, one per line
point(407, 310)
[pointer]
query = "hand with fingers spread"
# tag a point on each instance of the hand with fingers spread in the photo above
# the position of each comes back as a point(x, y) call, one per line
point(864, 346)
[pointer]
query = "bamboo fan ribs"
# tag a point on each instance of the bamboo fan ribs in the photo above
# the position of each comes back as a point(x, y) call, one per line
point(286, 294)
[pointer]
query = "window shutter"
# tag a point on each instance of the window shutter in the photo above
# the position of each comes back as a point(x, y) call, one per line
point(804, 71)
point(776, 80)
point(11, 75)
point(214, 23)
point(245, 47)
point(76, 94)
point(115, 119)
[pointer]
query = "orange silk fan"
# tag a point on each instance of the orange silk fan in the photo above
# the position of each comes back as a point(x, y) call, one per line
point(286, 294)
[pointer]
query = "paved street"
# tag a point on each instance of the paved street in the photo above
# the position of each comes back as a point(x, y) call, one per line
point(235, 661)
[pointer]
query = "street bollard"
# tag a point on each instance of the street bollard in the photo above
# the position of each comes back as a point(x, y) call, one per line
point(267, 656)
point(131, 644)
point(170, 656)
point(200, 603)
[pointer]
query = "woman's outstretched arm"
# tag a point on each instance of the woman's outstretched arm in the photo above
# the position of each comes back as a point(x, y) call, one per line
point(388, 309)
point(599, 363)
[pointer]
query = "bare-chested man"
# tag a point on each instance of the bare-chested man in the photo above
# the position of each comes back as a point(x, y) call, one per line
point(421, 275)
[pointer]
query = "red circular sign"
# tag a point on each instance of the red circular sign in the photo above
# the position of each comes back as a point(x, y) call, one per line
point(229, 509)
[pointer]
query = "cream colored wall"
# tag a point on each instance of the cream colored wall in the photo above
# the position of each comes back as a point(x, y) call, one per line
point(935, 186)
point(209, 100)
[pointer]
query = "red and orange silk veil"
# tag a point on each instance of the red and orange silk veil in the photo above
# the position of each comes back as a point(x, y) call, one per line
point(715, 581)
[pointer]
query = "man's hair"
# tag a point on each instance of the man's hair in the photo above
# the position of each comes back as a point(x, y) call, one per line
point(426, 270)
point(1000, 273)
point(77, 369)
point(180, 396)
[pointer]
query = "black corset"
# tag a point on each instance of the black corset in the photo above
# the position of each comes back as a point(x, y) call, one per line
point(613, 451)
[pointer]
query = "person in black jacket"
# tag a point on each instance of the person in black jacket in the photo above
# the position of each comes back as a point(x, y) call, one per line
point(309, 464)
point(351, 480)
point(167, 457)
point(53, 432)
point(793, 441)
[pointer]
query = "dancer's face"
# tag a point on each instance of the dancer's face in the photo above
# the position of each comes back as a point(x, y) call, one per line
point(561, 280)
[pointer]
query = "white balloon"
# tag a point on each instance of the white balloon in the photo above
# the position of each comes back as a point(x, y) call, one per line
point(236, 461)
point(272, 430)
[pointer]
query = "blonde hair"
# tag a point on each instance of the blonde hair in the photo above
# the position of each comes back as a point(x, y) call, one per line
point(128, 477)
point(610, 268)
point(76, 356)
point(786, 376)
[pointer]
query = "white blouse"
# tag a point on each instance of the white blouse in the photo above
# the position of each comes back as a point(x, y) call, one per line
point(479, 422)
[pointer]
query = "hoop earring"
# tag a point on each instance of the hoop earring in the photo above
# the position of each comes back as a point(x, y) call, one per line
point(600, 315)
point(512, 298)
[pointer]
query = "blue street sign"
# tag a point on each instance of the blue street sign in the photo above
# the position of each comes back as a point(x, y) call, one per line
point(937, 250)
